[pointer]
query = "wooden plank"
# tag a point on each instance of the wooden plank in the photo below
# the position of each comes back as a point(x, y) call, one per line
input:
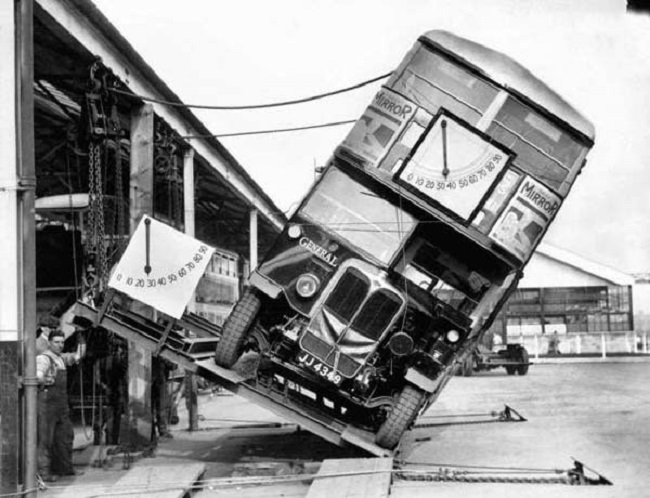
point(353, 477)
point(199, 326)
point(161, 481)
point(364, 440)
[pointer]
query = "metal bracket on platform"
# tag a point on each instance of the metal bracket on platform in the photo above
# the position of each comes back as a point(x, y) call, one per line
point(578, 477)
point(510, 415)
point(163, 338)
point(108, 299)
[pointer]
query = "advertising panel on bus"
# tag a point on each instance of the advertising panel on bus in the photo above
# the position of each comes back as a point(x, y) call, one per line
point(376, 130)
point(525, 218)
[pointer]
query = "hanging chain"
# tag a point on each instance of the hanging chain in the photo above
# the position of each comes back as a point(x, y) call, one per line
point(92, 242)
point(119, 197)
point(447, 475)
point(177, 194)
point(98, 270)
point(102, 263)
point(168, 173)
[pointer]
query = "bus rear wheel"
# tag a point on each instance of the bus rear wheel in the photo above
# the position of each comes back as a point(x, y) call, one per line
point(400, 417)
point(523, 358)
point(235, 329)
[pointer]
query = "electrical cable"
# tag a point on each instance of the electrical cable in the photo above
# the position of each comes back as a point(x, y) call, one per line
point(253, 106)
point(276, 130)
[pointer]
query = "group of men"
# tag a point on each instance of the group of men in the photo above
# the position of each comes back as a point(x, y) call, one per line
point(55, 430)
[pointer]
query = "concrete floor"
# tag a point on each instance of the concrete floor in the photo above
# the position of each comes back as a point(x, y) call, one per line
point(598, 413)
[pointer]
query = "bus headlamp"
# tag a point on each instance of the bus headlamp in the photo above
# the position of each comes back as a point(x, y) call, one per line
point(453, 336)
point(294, 231)
point(307, 285)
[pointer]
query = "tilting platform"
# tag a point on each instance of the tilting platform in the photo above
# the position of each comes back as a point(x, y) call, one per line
point(169, 341)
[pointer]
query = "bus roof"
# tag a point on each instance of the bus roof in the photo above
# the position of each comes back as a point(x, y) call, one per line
point(510, 74)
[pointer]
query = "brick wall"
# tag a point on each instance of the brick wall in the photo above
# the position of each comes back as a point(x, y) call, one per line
point(9, 418)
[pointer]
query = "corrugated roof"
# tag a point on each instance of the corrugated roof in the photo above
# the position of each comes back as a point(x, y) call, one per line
point(99, 21)
point(591, 267)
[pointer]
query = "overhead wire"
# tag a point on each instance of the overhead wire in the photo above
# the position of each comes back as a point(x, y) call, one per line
point(275, 130)
point(252, 106)
point(259, 106)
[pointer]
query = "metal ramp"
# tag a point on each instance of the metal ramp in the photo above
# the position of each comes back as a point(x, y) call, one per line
point(167, 339)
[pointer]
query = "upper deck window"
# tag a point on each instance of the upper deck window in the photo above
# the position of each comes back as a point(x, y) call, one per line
point(543, 149)
point(433, 81)
point(358, 215)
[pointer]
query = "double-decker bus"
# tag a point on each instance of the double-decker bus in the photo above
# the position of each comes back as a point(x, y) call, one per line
point(402, 253)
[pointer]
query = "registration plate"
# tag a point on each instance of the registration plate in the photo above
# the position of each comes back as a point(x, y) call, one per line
point(319, 367)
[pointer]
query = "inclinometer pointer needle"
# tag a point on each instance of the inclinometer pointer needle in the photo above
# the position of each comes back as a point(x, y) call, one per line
point(147, 240)
point(445, 168)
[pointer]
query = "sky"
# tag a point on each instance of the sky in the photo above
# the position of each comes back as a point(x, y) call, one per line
point(591, 52)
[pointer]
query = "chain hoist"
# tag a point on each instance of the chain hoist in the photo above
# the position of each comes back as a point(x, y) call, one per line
point(97, 252)
point(101, 128)
point(120, 230)
point(168, 173)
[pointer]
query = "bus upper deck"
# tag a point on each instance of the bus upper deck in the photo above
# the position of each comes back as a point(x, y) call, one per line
point(470, 135)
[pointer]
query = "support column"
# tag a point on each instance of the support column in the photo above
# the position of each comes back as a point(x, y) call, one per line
point(27, 239)
point(141, 178)
point(9, 263)
point(140, 421)
point(188, 194)
point(253, 239)
point(191, 388)
point(17, 266)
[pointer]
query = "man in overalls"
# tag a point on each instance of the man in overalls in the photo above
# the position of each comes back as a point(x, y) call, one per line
point(55, 431)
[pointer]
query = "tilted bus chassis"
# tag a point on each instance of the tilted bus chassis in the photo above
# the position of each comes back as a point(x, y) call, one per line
point(399, 258)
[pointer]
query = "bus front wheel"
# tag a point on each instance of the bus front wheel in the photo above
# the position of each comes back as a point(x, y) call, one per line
point(400, 417)
point(235, 329)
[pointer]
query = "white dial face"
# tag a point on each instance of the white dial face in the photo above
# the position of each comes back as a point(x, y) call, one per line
point(454, 166)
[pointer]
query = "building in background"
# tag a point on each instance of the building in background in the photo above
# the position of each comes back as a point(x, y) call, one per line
point(566, 304)
point(218, 289)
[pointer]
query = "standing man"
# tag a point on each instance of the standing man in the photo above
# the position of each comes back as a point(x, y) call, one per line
point(55, 431)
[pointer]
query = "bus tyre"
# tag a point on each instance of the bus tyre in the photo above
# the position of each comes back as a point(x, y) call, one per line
point(235, 329)
point(523, 358)
point(511, 370)
point(400, 417)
